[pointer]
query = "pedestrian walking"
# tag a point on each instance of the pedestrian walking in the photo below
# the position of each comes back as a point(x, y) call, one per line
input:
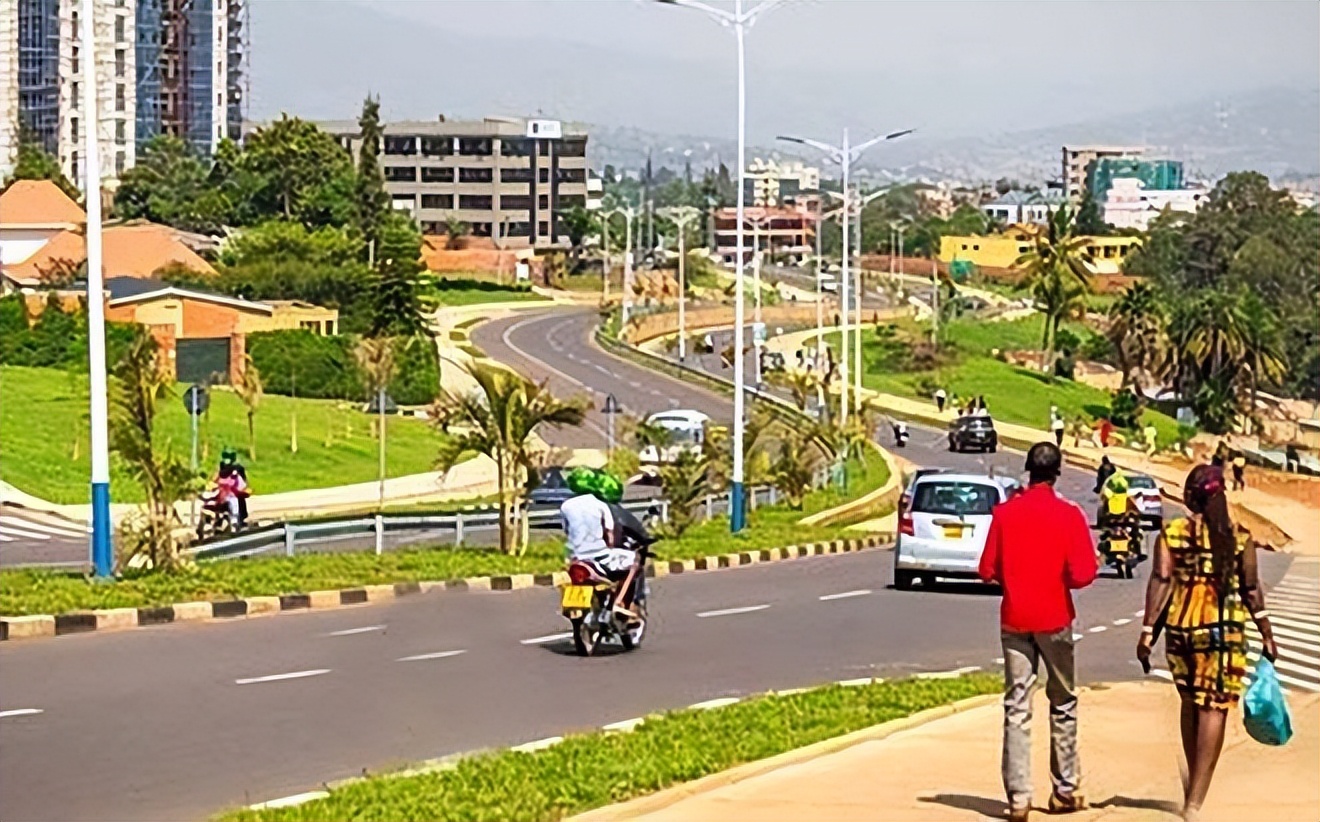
point(1203, 586)
point(1106, 429)
point(1039, 550)
point(1239, 472)
point(1056, 426)
point(940, 399)
point(1150, 433)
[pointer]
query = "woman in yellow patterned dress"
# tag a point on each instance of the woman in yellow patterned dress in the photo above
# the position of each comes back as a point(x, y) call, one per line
point(1203, 586)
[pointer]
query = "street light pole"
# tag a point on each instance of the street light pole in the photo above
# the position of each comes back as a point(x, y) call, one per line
point(99, 434)
point(739, 20)
point(682, 216)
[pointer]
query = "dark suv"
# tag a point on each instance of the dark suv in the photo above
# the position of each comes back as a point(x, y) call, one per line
point(551, 491)
point(968, 433)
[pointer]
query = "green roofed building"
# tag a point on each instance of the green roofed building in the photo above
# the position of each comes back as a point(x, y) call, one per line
point(1155, 175)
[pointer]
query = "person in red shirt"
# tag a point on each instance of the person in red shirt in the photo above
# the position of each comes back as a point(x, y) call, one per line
point(1106, 429)
point(1039, 550)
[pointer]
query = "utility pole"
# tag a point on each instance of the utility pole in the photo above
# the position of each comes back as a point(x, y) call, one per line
point(935, 303)
point(682, 217)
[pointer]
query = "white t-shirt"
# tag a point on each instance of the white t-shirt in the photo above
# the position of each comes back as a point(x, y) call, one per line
point(586, 521)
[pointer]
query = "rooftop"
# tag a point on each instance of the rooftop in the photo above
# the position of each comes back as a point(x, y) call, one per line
point(1016, 197)
point(128, 251)
point(38, 203)
point(440, 127)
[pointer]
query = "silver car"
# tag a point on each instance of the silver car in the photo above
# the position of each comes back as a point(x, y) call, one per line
point(942, 531)
point(1146, 494)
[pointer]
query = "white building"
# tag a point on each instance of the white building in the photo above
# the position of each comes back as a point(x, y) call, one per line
point(1128, 204)
point(770, 183)
point(1023, 207)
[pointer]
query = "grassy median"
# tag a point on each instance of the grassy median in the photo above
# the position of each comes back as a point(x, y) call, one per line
point(597, 769)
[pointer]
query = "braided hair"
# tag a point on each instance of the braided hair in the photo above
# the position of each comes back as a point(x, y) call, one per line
point(1204, 495)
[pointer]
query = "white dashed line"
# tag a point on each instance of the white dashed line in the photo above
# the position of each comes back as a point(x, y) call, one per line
point(541, 640)
point(436, 655)
point(1123, 621)
point(290, 801)
point(1161, 673)
point(1099, 629)
point(351, 631)
point(1078, 636)
point(731, 611)
point(1307, 624)
point(845, 595)
point(538, 745)
point(20, 712)
point(715, 703)
point(1139, 614)
point(999, 660)
point(278, 677)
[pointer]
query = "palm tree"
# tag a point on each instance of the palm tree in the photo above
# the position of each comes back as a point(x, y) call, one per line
point(686, 482)
point(1057, 269)
point(794, 467)
point(498, 420)
point(800, 383)
point(250, 391)
point(1138, 330)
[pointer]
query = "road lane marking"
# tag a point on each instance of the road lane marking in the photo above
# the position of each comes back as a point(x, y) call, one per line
point(1099, 629)
point(955, 673)
point(710, 704)
point(290, 801)
point(1297, 621)
point(278, 677)
point(436, 655)
point(1123, 621)
point(20, 712)
point(999, 660)
point(623, 725)
point(22, 534)
point(1078, 636)
point(731, 611)
point(547, 366)
point(845, 595)
point(352, 631)
point(1139, 614)
point(1161, 673)
point(1288, 632)
point(538, 745)
point(541, 640)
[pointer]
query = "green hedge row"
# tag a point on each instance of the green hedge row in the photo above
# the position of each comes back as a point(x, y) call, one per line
point(300, 363)
point(58, 339)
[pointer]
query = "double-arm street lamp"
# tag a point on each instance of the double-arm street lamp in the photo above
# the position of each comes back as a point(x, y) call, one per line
point(740, 19)
point(682, 217)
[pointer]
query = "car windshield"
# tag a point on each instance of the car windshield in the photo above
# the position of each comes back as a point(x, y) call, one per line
point(552, 478)
point(1144, 483)
point(955, 498)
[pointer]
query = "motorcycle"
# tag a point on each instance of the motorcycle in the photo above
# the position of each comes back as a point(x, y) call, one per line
point(213, 518)
point(587, 601)
point(1119, 545)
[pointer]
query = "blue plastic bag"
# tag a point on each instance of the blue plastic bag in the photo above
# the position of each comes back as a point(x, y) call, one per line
point(1265, 713)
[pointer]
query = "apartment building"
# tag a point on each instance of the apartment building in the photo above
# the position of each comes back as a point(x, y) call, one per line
point(509, 179)
point(162, 66)
point(1076, 160)
point(779, 232)
point(770, 183)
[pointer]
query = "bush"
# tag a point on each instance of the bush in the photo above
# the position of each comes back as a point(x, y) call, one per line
point(58, 339)
point(300, 363)
point(1098, 348)
point(1065, 367)
point(1125, 409)
point(1066, 342)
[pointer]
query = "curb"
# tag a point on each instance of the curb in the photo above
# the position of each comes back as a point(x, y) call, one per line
point(115, 619)
point(662, 799)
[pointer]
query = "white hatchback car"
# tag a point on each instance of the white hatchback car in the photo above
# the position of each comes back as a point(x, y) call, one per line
point(942, 533)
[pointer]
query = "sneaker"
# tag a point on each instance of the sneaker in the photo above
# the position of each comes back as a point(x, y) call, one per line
point(1067, 804)
point(1019, 814)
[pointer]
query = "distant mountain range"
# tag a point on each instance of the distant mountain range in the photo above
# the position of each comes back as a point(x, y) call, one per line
point(1275, 131)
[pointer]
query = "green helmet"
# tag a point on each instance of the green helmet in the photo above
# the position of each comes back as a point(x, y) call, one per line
point(600, 484)
point(228, 456)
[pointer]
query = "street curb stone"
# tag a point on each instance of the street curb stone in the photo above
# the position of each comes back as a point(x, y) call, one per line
point(117, 619)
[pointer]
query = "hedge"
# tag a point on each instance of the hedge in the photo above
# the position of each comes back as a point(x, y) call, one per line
point(300, 363)
point(58, 339)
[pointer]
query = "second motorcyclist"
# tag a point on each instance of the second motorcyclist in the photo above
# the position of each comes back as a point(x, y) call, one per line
point(593, 529)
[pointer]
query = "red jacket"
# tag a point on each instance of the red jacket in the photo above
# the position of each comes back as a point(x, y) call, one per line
point(1038, 549)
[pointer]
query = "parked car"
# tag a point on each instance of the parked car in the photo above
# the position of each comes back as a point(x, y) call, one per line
point(942, 533)
point(1146, 494)
point(552, 490)
point(977, 432)
point(906, 498)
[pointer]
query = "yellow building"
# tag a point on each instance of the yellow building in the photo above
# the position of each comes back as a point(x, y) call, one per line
point(1003, 250)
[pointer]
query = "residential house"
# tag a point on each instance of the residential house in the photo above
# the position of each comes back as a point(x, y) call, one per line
point(32, 212)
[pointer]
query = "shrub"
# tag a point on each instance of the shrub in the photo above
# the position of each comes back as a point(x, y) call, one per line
point(58, 339)
point(300, 363)
point(1098, 348)
point(1125, 409)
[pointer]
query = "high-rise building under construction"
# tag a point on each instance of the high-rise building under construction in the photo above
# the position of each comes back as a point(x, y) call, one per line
point(163, 67)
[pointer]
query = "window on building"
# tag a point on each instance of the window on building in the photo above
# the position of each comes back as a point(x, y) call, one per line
point(119, 28)
point(397, 145)
point(442, 201)
point(976, 248)
point(433, 227)
point(401, 174)
point(543, 202)
point(476, 175)
point(516, 147)
point(431, 174)
point(437, 146)
point(77, 94)
point(77, 65)
point(573, 200)
point(475, 202)
point(121, 62)
point(517, 229)
point(121, 129)
point(544, 175)
point(516, 175)
point(543, 230)
point(121, 161)
point(572, 148)
point(572, 175)
point(481, 229)
point(475, 146)
point(399, 203)
point(73, 126)
point(515, 202)
point(120, 101)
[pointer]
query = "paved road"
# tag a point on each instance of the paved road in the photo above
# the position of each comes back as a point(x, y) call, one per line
point(179, 721)
point(31, 537)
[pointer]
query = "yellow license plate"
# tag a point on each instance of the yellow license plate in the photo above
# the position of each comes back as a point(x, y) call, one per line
point(1118, 546)
point(953, 532)
point(577, 596)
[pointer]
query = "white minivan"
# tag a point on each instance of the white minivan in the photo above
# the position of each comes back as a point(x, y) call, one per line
point(942, 532)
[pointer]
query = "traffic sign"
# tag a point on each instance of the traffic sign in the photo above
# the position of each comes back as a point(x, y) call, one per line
point(611, 405)
point(196, 399)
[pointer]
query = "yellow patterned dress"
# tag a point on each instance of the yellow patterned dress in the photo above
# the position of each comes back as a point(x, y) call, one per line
point(1205, 637)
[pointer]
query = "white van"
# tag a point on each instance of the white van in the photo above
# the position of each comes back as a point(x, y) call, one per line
point(687, 432)
point(942, 533)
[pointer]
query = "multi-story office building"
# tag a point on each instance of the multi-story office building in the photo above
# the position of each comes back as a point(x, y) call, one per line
point(163, 66)
point(509, 179)
point(1076, 159)
point(770, 183)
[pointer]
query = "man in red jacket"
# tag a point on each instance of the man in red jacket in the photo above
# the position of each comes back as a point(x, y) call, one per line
point(1039, 550)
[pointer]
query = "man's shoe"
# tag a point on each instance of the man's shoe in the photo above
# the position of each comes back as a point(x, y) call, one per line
point(1019, 814)
point(1067, 804)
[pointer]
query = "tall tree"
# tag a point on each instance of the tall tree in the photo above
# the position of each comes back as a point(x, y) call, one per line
point(396, 307)
point(373, 202)
point(171, 184)
point(302, 173)
point(1057, 270)
point(33, 162)
point(498, 420)
point(1138, 330)
point(1089, 221)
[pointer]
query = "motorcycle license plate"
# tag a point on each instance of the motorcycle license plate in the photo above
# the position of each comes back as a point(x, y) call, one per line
point(1118, 546)
point(953, 532)
point(577, 597)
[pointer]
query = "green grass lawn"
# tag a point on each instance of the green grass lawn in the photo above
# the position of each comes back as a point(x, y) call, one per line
point(43, 420)
point(596, 769)
point(457, 292)
point(1012, 394)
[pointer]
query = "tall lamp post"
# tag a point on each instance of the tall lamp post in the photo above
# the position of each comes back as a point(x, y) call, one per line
point(682, 217)
point(740, 19)
point(102, 554)
point(845, 155)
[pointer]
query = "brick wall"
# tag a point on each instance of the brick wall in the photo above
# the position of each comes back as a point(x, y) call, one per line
point(207, 321)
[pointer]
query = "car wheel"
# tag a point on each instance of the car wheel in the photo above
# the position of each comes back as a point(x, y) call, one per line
point(994, 448)
point(903, 580)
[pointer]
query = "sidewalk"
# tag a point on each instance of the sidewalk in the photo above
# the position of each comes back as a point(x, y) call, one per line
point(949, 770)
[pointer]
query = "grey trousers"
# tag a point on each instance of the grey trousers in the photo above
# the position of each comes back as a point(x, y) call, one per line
point(1023, 654)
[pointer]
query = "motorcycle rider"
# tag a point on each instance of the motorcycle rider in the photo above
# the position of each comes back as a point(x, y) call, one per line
point(900, 433)
point(1118, 508)
point(591, 530)
point(229, 461)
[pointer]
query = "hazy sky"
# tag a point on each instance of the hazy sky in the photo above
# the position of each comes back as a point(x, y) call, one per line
point(956, 68)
